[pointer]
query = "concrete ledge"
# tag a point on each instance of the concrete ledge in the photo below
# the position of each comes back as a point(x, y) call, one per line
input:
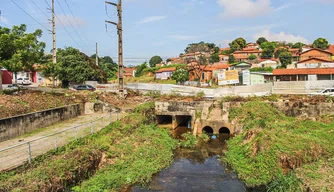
point(19, 125)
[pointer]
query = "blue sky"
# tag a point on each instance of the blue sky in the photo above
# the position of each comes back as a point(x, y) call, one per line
point(165, 27)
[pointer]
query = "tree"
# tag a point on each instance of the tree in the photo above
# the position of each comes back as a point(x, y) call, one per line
point(320, 43)
point(197, 67)
point(216, 50)
point(20, 50)
point(168, 60)
point(231, 59)
point(181, 75)
point(279, 51)
point(139, 70)
point(155, 60)
point(238, 44)
point(268, 49)
point(77, 67)
point(285, 58)
point(107, 65)
point(199, 47)
point(261, 40)
point(214, 58)
point(252, 57)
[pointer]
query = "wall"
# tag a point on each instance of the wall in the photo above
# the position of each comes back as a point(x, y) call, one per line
point(315, 53)
point(20, 125)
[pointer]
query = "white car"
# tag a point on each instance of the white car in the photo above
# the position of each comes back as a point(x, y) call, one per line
point(328, 92)
point(13, 87)
point(24, 81)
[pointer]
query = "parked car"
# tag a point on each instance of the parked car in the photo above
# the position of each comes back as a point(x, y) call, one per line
point(328, 92)
point(23, 81)
point(84, 87)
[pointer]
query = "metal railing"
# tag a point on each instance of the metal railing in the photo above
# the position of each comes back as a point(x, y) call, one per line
point(17, 155)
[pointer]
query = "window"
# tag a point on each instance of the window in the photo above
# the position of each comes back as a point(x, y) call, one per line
point(203, 75)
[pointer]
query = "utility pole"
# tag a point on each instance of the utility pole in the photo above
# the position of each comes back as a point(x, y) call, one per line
point(97, 56)
point(120, 45)
point(54, 48)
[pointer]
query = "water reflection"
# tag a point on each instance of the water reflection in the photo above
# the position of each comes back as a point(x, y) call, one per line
point(197, 170)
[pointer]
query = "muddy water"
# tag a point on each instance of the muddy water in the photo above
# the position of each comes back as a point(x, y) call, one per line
point(197, 169)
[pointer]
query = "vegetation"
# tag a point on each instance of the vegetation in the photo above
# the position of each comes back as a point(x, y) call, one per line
point(320, 43)
point(181, 75)
point(238, 44)
point(188, 141)
point(20, 50)
point(155, 60)
point(261, 40)
point(126, 152)
point(285, 58)
point(199, 47)
point(262, 69)
point(231, 59)
point(214, 58)
point(107, 65)
point(140, 68)
point(268, 49)
point(252, 57)
point(298, 45)
point(274, 144)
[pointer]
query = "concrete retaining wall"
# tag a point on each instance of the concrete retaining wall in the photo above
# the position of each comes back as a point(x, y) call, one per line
point(20, 125)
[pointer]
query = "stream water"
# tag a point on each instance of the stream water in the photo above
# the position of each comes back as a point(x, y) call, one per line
point(198, 169)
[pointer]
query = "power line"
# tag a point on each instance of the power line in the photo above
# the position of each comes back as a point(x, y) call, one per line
point(39, 8)
point(76, 20)
point(67, 30)
point(30, 15)
point(71, 24)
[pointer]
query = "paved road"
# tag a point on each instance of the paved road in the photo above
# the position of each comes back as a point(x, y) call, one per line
point(40, 144)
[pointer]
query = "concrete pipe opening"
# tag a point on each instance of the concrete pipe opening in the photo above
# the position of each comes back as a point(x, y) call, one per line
point(207, 130)
point(224, 130)
point(164, 119)
point(183, 120)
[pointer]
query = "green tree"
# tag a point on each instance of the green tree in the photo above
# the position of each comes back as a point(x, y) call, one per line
point(214, 58)
point(139, 70)
point(320, 43)
point(238, 44)
point(252, 57)
point(20, 50)
point(279, 51)
point(155, 60)
point(199, 47)
point(107, 65)
point(231, 59)
point(285, 58)
point(268, 49)
point(77, 67)
point(216, 50)
point(261, 40)
point(181, 75)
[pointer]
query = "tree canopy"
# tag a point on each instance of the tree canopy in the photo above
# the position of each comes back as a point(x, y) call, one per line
point(279, 51)
point(140, 68)
point(252, 57)
point(238, 44)
point(155, 60)
point(181, 75)
point(231, 59)
point(261, 40)
point(200, 47)
point(268, 49)
point(286, 58)
point(20, 50)
point(320, 43)
point(107, 65)
point(214, 58)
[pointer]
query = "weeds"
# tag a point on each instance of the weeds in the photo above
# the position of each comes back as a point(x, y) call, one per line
point(200, 95)
point(188, 141)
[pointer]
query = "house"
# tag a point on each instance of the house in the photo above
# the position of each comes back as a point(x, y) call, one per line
point(252, 46)
point(206, 73)
point(295, 55)
point(223, 58)
point(261, 78)
point(6, 77)
point(316, 74)
point(331, 49)
point(315, 63)
point(241, 66)
point(224, 49)
point(128, 72)
point(245, 53)
point(273, 63)
point(316, 53)
point(164, 73)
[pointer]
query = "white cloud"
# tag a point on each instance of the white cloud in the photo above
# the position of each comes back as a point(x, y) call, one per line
point(66, 19)
point(152, 19)
point(282, 36)
point(189, 5)
point(183, 37)
point(245, 8)
point(4, 20)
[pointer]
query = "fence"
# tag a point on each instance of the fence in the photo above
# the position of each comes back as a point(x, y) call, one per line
point(17, 155)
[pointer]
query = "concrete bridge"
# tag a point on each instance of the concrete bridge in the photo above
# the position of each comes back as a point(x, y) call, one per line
point(204, 116)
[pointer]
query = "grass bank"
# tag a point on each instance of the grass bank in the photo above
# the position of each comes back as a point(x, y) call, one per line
point(284, 153)
point(126, 152)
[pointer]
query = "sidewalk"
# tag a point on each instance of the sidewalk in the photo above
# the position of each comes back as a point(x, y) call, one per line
point(17, 151)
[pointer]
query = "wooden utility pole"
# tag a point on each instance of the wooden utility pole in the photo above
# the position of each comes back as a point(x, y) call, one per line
point(54, 48)
point(97, 56)
point(120, 45)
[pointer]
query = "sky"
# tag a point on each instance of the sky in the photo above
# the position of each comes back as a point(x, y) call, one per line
point(166, 27)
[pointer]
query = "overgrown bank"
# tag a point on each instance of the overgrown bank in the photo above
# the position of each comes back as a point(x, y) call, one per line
point(126, 152)
point(284, 153)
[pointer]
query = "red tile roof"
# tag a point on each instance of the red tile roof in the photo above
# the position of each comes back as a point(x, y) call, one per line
point(316, 49)
point(237, 56)
point(249, 51)
point(220, 65)
point(331, 49)
point(318, 59)
point(315, 71)
point(166, 70)
point(224, 49)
